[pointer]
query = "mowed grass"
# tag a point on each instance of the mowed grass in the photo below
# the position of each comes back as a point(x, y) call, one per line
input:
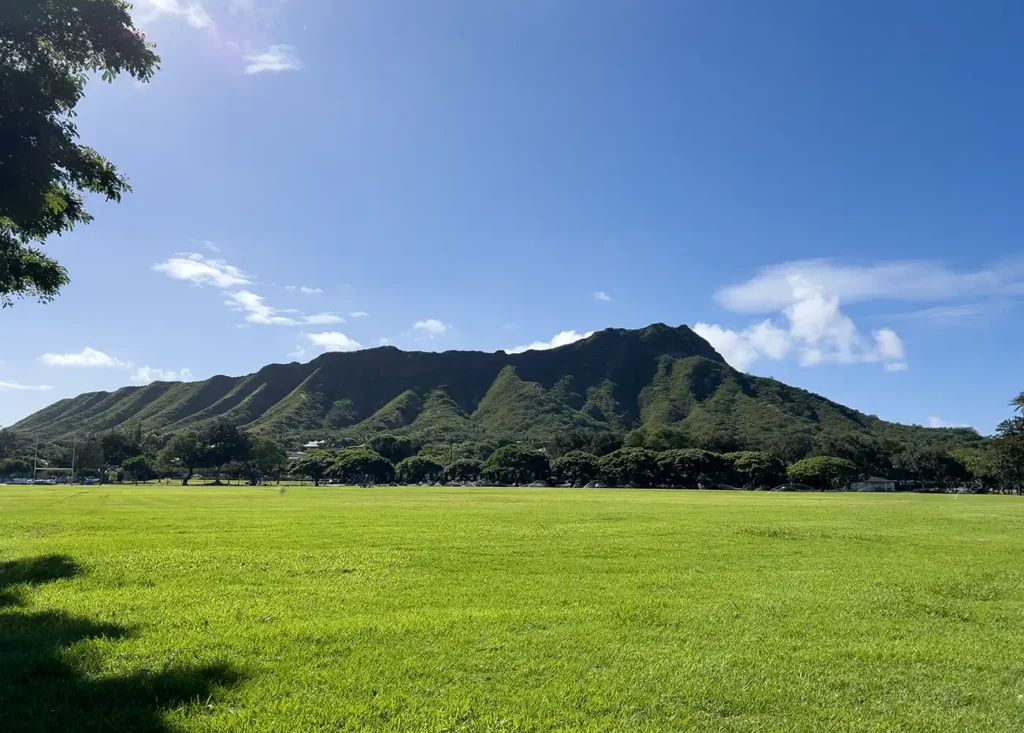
point(443, 609)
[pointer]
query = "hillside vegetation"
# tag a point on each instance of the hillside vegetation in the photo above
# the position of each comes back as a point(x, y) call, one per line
point(653, 379)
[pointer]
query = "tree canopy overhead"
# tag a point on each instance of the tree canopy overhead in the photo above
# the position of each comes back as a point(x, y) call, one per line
point(48, 50)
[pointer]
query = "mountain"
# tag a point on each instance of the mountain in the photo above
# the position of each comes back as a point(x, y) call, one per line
point(615, 380)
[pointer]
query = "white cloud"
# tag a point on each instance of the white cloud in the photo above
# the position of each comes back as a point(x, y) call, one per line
point(897, 366)
point(602, 296)
point(938, 422)
point(432, 327)
point(816, 328)
point(211, 246)
point(333, 341)
point(384, 341)
point(322, 319)
point(743, 348)
point(193, 13)
point(290, 288)
point(358, 314)
point(87, 357)
point(145, 375)
point(310, 291)
point(563, 338)
point(201, 270)
point(7, 386)
point(278, 57)
point(256, 310)
point(916, 280)
point(889, 346)
point(299, 352)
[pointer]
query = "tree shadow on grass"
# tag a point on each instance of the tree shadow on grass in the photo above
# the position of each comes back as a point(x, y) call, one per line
point(44, 680)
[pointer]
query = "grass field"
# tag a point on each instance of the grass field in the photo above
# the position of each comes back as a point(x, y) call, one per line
point(439, 609)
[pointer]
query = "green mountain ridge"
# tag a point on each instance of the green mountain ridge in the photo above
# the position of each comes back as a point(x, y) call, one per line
point(653, 378)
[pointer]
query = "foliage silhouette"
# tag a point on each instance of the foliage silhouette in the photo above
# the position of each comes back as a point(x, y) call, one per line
point(45, 685)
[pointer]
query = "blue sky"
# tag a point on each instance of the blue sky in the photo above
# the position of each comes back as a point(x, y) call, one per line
point(830, 192)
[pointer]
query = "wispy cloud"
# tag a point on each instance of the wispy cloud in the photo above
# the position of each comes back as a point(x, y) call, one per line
point(146, 375)
point(322, 319)
point(333, 341)
point(92, 358)
point(946, 315)
point(432, 327)
point(278, 57)
point(563, 338)
point(358, 314)
point(6, 386)
point(310, 291)
point(602, 296)
point(300, 351)
point(201, 270)
point(910, 281)
point(192, 12)
point(256, 311)
point(384, 341)
point(87, 357)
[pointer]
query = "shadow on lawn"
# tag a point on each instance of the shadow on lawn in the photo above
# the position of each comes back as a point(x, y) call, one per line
point(44, 681)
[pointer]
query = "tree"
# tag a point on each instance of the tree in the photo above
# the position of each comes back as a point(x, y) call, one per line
point(691, 467)
point(666, 437)
point(756, 468)
point(416, 469)
point(359, 465)
point(512, 464)
point(12, 444)
point(1017, 403)
point(314, 465)
point(929, 465)
point(263, 456)
point(185, 451)
point(1009, 454)
point(118, 448)
point(824, 472)
point(392, 447)
point(601, 444)
point(631, 467)
point(88, 455)
point(576, 468)
point(15, 467)
point(223, 443)
point(138, 468)
point(871, 456)
point(463, 469)
point(48, 50)
point(789, 447)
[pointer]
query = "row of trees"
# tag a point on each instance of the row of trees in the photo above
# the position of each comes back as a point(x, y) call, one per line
point(635, 467)
point(990, 464)
point(220, 447)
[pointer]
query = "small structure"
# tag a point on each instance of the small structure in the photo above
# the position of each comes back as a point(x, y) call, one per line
point(874, 483)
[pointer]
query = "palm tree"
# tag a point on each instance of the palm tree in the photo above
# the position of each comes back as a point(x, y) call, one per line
point(1017, 403)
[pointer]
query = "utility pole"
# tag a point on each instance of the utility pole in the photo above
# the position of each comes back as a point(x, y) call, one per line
point(74, 454)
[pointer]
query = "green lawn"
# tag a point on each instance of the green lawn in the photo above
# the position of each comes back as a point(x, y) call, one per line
point(437, 609)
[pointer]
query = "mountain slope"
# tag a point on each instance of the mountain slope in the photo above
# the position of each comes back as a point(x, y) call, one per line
point(655, 377)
